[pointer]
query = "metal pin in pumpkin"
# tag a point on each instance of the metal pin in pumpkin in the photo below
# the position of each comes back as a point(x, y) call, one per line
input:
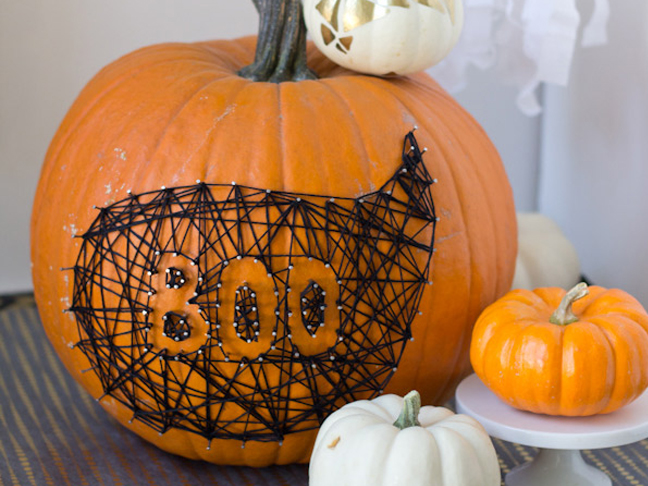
point(575, 353)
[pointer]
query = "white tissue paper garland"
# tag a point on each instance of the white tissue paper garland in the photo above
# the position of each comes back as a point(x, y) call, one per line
point(528, 41)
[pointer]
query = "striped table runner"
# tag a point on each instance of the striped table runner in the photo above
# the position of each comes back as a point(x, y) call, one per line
point(53, 433)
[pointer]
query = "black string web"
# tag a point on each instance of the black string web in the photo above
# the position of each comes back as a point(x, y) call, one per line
point(237, 359)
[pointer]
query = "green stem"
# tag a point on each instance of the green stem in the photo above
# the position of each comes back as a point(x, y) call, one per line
point(409, 415)
point(281, 43)
point(564, 314)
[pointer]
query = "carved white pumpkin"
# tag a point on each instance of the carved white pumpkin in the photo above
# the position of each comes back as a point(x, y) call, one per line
point(384, 36)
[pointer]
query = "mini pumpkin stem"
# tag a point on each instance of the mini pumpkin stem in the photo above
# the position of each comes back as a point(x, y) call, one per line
point(564, 314)
point(281, 43)
point(411, 408)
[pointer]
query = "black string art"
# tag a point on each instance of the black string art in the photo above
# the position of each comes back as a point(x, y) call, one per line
point(180, 326)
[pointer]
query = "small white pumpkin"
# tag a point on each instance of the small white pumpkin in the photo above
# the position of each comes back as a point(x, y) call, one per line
point(546, 258)
point(393, 441)
point(384, 36)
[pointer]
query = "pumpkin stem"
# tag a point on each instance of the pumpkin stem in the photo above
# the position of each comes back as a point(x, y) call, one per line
point(281, 43)
point(564, 314)
point(411, 408)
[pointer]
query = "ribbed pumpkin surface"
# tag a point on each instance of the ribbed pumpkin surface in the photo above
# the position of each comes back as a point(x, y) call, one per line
point(594, 365)
point(172, 114)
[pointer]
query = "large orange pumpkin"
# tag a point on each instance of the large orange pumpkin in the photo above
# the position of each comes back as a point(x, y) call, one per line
point(168, 127)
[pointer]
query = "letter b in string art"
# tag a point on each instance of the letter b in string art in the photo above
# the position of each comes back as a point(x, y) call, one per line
point(241, 313)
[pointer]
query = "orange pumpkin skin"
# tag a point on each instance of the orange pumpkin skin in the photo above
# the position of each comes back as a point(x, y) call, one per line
point(594, 365)
point(171, 114)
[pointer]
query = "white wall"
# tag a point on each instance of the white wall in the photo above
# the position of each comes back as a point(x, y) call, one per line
point(50, 49)
point(516, 136)
point(595, 154)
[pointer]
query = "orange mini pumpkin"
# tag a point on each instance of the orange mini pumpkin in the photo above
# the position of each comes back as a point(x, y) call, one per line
point(538, 354)
point(229, 242)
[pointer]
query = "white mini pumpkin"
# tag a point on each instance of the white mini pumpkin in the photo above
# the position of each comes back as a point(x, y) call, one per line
point(546, 258)
point(391, 441)
point(384, 36)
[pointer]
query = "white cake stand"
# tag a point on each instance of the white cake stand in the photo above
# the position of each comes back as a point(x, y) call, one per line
point(559, 439)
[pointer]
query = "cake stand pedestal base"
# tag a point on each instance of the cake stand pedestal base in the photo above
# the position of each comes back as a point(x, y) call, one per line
point(551, 467)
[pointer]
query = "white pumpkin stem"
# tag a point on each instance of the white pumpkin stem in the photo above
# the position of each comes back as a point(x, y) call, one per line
point(411, 408)
point(564, 314)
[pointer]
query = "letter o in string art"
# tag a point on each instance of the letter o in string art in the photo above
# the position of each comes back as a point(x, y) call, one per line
point(237, 312)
